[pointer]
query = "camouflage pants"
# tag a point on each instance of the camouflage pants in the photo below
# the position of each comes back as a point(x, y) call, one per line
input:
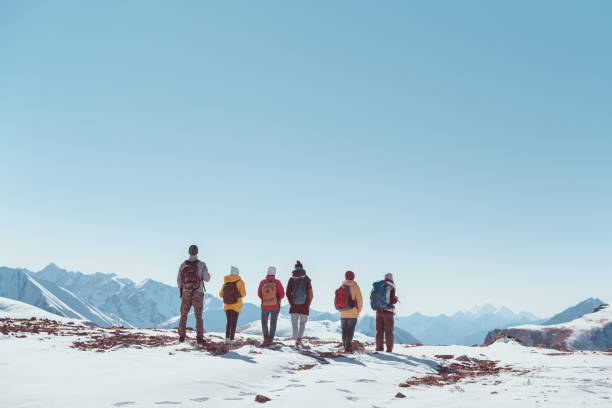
point(195, 299)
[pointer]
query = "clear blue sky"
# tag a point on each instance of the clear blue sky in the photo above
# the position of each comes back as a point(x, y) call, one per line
point(464, 146)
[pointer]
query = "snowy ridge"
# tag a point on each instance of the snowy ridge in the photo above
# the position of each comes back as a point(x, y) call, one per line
point(14, 309)
point(592, 331)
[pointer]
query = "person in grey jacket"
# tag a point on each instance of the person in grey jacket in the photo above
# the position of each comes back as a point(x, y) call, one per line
point(191, 277)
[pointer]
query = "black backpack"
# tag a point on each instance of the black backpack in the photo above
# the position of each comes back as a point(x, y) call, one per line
point(230, 293)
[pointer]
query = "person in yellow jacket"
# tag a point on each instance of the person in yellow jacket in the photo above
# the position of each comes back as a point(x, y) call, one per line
point(348, 318)
point(232, 293)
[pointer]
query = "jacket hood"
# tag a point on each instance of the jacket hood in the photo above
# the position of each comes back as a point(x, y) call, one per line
point(349, 283)
point(298, 274)
point(271, 277)
point(231, 278)
point(390, 283)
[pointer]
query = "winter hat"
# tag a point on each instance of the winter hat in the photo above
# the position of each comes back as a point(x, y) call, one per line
point(234, 271)
point(299, 266)
point(272, 270)
point(193, 250)
point(389, 276)
point(349, 275)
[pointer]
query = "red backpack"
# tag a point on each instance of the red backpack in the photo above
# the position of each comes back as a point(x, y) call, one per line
point(190, 276)
point(343, 300)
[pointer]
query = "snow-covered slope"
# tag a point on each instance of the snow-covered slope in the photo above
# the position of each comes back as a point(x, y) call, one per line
point(22, 285)
point(592, 331)
point(14, 309)
point(320, 329)
point(151, 369)
point(330, 330)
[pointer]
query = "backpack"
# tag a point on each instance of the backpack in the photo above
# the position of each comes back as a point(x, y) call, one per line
point(343, 300)
point(300, 295)
point(230, 293)
point(379, 299)
point(190, 276)
point(268, 291)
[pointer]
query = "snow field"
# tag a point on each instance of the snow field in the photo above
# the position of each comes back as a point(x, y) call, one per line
point(42, 370)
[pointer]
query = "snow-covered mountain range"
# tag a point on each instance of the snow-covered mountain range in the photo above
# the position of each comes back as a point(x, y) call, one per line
point(464, 327)
point(106, 300)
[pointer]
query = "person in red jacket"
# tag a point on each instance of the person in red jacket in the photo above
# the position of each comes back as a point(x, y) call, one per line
point(271, 292)
point(385, 318)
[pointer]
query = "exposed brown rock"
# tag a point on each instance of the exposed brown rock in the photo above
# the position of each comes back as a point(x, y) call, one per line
point(550, 337)
point(445, 356)
point(456, 372)
point(261, 398)
point(400, 395)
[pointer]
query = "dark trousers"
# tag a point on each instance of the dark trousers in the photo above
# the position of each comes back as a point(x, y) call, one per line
point(384, 330)
point(273, 314)
point(232, 321)
point(348, 331)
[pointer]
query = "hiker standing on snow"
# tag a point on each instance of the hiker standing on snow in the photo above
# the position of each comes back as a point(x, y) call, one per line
point(191, 277)
point(383, 300)
point(271, 292)
point(232, 293)
point(349, 302)
point(299, 295)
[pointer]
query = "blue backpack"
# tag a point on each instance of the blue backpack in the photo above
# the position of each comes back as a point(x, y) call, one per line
point(378, 296)
point(300, 294)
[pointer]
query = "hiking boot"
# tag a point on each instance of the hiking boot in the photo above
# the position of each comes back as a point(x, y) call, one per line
point(181, 339)
point(389, 350)
point(298, 342)
point(379, 349)
point(200, 340)
point(232, 341)
point(265, 342)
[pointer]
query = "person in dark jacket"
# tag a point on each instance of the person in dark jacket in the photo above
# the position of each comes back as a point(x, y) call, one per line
point(299, 294)
point(385, 317)
point(271, 292)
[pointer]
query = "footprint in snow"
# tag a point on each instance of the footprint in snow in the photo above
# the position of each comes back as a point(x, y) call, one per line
point(123, 403)
point(233, 399)
point(295, 385)
point(351, 398)
point(323, 381)
point(201, 399)
point(342, 390)
point(168, 402)
point(294, 380)
point(365, 380)
point(244, 393)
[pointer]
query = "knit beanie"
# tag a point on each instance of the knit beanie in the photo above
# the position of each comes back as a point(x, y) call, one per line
point(299, 266)
point(234, 271)
point(349, 275)
point(272, 270)
point(389, 276)
point(193, 250)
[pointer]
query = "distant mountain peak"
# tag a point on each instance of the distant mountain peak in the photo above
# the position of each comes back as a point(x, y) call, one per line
point(585, 307)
